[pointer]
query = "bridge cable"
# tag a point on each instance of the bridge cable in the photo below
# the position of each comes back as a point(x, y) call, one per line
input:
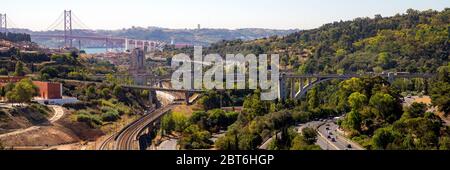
point(56, 23)
point(80, 22)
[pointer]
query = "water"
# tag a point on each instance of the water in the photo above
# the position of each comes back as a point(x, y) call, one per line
point(100, 50)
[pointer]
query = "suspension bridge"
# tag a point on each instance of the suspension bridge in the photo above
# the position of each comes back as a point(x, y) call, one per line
point(68, 27)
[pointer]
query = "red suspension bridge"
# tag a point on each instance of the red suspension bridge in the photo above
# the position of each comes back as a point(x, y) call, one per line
point(68, 20)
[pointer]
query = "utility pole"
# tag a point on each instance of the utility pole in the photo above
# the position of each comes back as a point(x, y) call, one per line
point(68, 28)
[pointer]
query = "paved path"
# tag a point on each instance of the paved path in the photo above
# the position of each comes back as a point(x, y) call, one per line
point(58, 113)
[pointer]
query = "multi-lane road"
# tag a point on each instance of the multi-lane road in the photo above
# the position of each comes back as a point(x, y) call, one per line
point(335, 140)
point(328, 137)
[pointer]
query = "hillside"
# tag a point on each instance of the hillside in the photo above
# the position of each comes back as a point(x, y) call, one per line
point(415, 42)
point(180, 36)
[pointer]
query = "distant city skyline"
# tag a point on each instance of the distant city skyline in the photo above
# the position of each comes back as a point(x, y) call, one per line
point(229, 14)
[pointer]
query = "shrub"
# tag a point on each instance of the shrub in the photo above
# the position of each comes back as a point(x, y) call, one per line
point(110, 116)
point(90, 119)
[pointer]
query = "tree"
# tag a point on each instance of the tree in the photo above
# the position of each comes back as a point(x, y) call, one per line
point(180, 121)
point(356, 100)
point(212, 100)
point(298, 143)
point(249, 141)
point(309, 135)
point(313, 99)
point(382, 138)
point(353, 120)
point(384, 105)
point(195, 138)
point(440, 95)
point(167, 123)
point(20, 71)
point(48, 73)
point(3, 71)
point(253, 105)
point(440, 90)
point(217, 118)
point(444, 143)
point(416, 110)
point(22, 92)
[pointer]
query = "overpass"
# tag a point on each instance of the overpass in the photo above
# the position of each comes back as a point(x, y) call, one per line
point(289, 81)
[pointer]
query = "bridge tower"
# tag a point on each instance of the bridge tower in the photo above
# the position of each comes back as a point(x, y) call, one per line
point(68, 28)
point(137, 67)
point(126, 44)
point(282, 89)
point(3, 23)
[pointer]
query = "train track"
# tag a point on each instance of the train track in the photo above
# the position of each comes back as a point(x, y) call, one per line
point(127, 138)
point(106, 143)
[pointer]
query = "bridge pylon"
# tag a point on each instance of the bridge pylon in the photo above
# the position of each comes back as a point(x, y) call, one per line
point(3, 23)
point(68, 28)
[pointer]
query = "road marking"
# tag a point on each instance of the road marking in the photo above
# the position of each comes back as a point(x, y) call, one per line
point(331, 143)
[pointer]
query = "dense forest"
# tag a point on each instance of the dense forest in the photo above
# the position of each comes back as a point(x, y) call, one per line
point(413, 42)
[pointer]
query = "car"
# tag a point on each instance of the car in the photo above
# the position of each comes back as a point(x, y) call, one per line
point(349, 146)
point(327, 128)
point(333, 140)
point(330, 133)
point(327, 125)
point(329, 137)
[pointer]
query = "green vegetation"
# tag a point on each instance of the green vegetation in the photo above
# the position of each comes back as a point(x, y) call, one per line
point(90, 118)
point(414, 42)
point(291, 140)
point(3, 72)
point(196, 130)
point(195, 138)
point(19, 69)
point(377, 120)
point(440, 90)
point(21, 92)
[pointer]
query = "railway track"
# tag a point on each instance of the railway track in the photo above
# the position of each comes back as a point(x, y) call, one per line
point(127, 139)
point(106, 143)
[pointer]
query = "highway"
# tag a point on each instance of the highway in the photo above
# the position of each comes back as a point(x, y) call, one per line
point(321, 141)
point(329, 131)
point(339, 143)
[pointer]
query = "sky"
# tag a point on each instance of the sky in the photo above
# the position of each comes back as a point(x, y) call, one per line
point(232, 14)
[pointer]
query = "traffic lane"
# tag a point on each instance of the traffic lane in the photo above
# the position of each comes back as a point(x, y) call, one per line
point(324, 144)
point(321, 140)
point(339, 141)
point(326, 133)
point(354, 145)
